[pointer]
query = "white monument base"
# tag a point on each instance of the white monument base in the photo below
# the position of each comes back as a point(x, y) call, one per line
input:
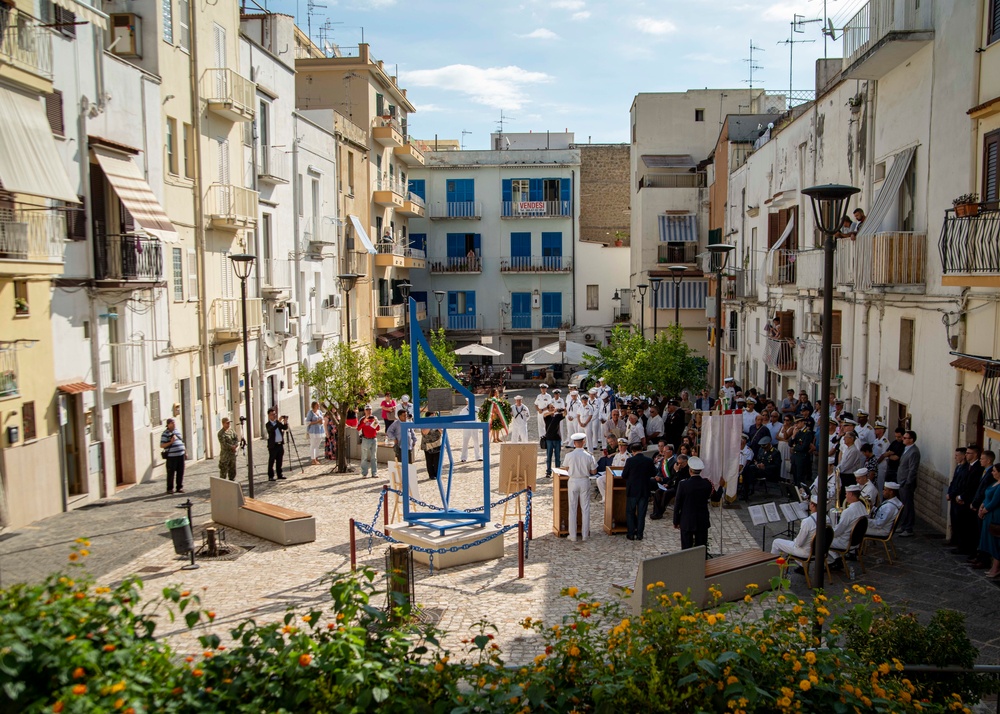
point(427, 536)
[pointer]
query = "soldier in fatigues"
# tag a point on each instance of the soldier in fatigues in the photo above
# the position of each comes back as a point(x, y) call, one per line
point(228, 444)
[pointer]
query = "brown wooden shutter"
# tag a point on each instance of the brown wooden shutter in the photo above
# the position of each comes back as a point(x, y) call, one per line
point(786, 325)
point(54, 112)
point(991, 165)
point(994, 26)
point(28, 421)
point(835, 327)
point(793, 239)
point(76, 217)
point(97, 205)
point(773, 228)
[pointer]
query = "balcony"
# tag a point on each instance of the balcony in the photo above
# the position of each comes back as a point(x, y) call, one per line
point(387, 132)
point(275, 276)
point(32, 236)
point(272, 166)
point(460, 323)
point(677, 253)
point(970, 249)
point(392, 255)
point(231, 207)
point(780, 267)
point(676, 180)
point(389, 316)
point(809, 270)
point(408, 153)
point(25, 44)
point(128, 258)
point(229, 94)
point(355, 263)
point(421, 311)
point(225, 317)
point(452, 265)
point(536, 264)
point(622, 315)
point(413, 206)
point(887, 261)
point(472, 210)
point(389, 192)
point(730, 340)
point(740, 285)
point(812, 359)
point(535, 209)
point(780, 355)
point(8, 373)
point(327, 327)
point(122, 366)
point(884, 34)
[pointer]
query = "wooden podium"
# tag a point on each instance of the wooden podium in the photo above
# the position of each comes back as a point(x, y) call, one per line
point(560, 505)
point(614, 503)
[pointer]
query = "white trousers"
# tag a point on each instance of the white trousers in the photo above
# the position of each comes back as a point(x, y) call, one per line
point(316, 442)
point(579, 495)
point(471, 435)
point(540, 420)
point(783, 545)
point(602, 484)
point(518, 432)
point(594, 433)
point(562, 431)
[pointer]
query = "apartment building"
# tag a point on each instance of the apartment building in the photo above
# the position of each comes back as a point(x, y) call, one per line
point(672, 134)
point(358, 87)
point(904, 308)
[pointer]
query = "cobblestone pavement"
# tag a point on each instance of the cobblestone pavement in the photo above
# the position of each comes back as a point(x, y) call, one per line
point(128, 536)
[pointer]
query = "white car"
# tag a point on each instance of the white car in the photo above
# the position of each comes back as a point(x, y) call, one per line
point(580, 379)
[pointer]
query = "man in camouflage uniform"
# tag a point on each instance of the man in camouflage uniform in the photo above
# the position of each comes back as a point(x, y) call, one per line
point(228, 444)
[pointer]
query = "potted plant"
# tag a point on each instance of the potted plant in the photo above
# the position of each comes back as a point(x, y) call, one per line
point(20, 306)
point(966, 205)
point(620, 237)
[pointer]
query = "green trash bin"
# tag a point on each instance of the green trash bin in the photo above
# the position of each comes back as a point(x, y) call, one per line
point(182, 535)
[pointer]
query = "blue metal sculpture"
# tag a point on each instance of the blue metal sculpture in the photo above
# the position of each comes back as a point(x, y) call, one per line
point(448, 517)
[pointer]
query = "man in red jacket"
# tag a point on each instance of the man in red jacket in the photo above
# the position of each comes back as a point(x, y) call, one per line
point(368, 428)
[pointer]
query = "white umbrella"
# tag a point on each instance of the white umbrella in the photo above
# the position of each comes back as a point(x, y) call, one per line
point(550, 354)
point(478, 350)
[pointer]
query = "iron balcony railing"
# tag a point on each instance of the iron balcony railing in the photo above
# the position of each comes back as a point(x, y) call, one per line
point(395, 311)
point(25, 42)
point(780, 355)
point(349, 130)
point(225, 87)
point(122, 364)
point(464, 322)
point(226, 315)
point(678, 180)
point(35, 235)
point(730, 339)
point(552, 321)
point(273, 164)
point(128, 257)
point(456, 209)
point(8, 372)
point(455, 264)
point(389, 121)
point(622, 314)
point(812, 358)
point(781, 267)
point(740, 285)
point(521, 321)
point(671, 253)
point(535, 209)
point(536, 264)
point(971, 244)
point(355, 263)
point(884, 260)
point(390, 184)
point(232, 204)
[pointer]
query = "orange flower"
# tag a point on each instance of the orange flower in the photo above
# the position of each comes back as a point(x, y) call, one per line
point(73, 556)
point(197, 673)
point(185, 593)
point(79, 689)
point(189, 658)
point(79, 673)
point(58, 706)
point(176, 690)
point(119, 703)
point(109, 648)
point(210, 614)
point(305, 659)
point(876, 598)
point(781, 561)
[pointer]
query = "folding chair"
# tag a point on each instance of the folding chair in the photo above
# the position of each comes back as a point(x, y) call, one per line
point(885, 540)
point(813, 555)
point(858, 531)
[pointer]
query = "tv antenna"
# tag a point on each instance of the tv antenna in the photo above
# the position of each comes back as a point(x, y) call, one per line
point(326, 37)
point(311, 9)
point(798, 21)
point(751, 63)
point(827, 28)
point(464, 132)
point(500, 136)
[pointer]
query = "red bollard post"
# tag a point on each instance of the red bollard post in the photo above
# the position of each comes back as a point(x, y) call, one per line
point(531, 515)
point(354, 555)
point(520, 550)
point(385, 506)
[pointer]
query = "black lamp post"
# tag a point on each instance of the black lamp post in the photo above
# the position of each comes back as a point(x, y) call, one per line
point(642, 287)
point(656, 283)
point(347, 282)
point(243, 266)
point(404, 290)
point(676, 276)
point(439, 296)
point(720, 254)
point(829, 203)
point(617, 300)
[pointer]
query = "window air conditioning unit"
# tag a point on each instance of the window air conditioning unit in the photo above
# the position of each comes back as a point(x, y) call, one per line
point(333, 301)
point(293, 309)
point(813, 323)
point(589, 337)
point(281, 321)
point(293, 329)
point(126, 34)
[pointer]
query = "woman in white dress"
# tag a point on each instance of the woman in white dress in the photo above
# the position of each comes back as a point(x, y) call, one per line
point(784, 434)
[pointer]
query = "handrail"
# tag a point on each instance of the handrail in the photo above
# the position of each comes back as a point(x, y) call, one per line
point(971, 243)
point(25, 41)
point(32, 235)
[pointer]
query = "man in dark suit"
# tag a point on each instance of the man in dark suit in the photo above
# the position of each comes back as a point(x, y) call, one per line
point(906, 477)
point(276, 429)
point(638, 474)
point(966, 459)
point(673, 423)
point(691, 507)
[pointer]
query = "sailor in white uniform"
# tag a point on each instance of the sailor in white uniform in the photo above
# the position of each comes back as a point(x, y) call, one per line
point(801, 547)
point(885, 516)
point(845, 524)
point(594, 425)
point(584, 418)
point(573, 406)
point(542, 402)
point(869, 491)
point(519, 421)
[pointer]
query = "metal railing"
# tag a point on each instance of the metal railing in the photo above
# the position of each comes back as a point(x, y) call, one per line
point(780, 268)
point(415, 199)
point(25, 42)
point(552, 321)
point(730, 339)
point(970, 244)
point(395, 311)
point(742, 284)
point(234, 204)
point(535, 209)
point(38, 235)
point(521, 321)
point(225, 86)
point(891, 259)
point(780, 355)
point(680, 180)
point(128, 257)
point(670, 253)
point(354, 262)
point(464, 322)
point(389, 121)
point(390, 184)
point(876, 20)
point(276, 273)
point(622, 315)
point(456, 209)
point(456, 264)
point(536, 264)
point(8, 372)
point(226, 315)
point(273, 163)
point(812, 358)
point(738, 156)
point(124, 363)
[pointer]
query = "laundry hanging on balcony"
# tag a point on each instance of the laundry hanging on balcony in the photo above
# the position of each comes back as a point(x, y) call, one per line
point(888, 194)
point(131, 187)
point(678, 229)
point(789, 227)
point(362, 234)
point(29, 161)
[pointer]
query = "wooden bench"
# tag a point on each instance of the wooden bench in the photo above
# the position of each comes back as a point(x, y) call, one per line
point(281, 525)
point(688, 572)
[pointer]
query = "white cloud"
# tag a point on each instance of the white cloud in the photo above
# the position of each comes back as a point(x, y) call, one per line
point(541, 33)
point(380, 3)
point(582, 15)
point(499, 87)
point(568, 4)
point(425, 108)
point(651, 26)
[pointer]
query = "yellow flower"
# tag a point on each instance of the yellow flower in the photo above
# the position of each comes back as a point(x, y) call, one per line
point(876, 599)
point(732, 679)
point(438, 667)
point(796, 666)
point(539, 659)
point(753, 586)
point(659, 584)
point(710, 619)
point(883, 668)
point(117, 687)
point(747, 598)
point(73, 556)
point(572, 591)
point(306, 618)
point(811, 657)
point(650, 587)
point(805, 685)
point(574, 651)
point(84, 553)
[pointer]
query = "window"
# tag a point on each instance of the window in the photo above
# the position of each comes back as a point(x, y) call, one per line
point(168, 21)
point(593, 297)
point(154, 409)
point(28, 421)
point(350, 173)
point(519, 190)
point(178, 263)
point(906, 334)
point(418, 187)
point(192, 274)
point(62, 20)
point(520, 311)
point(183, 14)
point(172, 145)
point(188, 151)
point(520, 249)
point(994, 27)
point(21, 306)
point(991, 165)
point(54, 112)
point(551, 311)
point(699, 115)
point(316, 208)
point(907, 197)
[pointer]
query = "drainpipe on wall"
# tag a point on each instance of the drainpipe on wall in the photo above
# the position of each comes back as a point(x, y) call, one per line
point(864, 352)
point(572, 213)
point(296, 232)
point(254, 146)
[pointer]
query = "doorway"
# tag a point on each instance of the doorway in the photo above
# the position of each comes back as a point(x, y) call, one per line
point(123, 438)
point(974, 427)
point(874, 400)
point(519, 348)
point(898, 415)
point(186, 413)
point(272, 391)
point(76, 484)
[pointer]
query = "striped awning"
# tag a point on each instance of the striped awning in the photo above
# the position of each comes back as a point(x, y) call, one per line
point(888, 194)
point(84, 11)
point(29, 160)
point(679, 229)
point(693, 295)
point(131, 187)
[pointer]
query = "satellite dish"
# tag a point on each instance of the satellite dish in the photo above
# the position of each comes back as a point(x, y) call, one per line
point(830, 31)
point(269, 340)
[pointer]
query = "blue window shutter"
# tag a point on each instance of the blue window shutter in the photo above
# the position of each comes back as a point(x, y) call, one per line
point(451, 190)
point(520, 245)
point(535, 190)
point(470, 302)
point(418, 188)
point(419, 296)
point(452, 302)
point(552, 303)
point(520, 303)
point(565, 189)
point(506, 191)
point(456, 245)
point(418, 241)
point(552, 244)
point(476, 245)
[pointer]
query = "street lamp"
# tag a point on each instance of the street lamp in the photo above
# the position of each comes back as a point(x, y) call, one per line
point(655, 282)
point(829, 203)
point(439, 295)
point(404, 290)
point(347, 282)
point(642, 308)
point(720, 254)
point(243, 266)
point(676, 276)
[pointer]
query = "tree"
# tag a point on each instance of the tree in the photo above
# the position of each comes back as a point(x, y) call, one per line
point(342, 379)
point(635, 365)
point(391, 368)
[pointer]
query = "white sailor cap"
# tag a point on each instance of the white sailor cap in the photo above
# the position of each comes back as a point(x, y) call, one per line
point(593, 390)
point(830, 460)
point(891, 484)
point(853, 488)
point(585, 396)
point(573, 391)
point(861, 472)
point(728, 379)
point(557, 391)
point(696, 464)
point(517, 396)
point(579, 436)
point(543, 385)
point(405, 398)
point(814, 499)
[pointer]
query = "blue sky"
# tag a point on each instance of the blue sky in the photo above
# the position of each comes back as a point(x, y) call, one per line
point(570, 64)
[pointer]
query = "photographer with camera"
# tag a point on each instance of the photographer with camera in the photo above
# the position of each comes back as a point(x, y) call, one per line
point(276, 429)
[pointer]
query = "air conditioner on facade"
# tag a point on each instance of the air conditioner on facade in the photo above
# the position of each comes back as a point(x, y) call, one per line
point(293, 309)
point(589, 337)
point(333, 301)
point(813, 323)
point(126, 34)
point(281, 321)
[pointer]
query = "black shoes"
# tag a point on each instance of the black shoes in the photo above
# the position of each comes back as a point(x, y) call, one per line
point(282, 478)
